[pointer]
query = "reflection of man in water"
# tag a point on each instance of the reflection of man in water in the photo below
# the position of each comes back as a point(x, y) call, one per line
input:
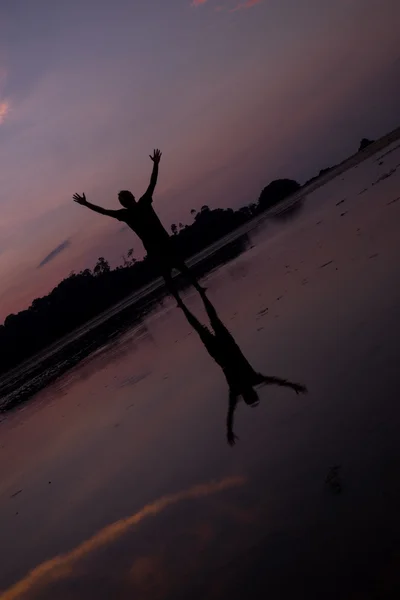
point(239, 373)
point(141, 217)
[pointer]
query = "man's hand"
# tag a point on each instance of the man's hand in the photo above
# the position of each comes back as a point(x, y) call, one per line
point(80, 199)
point(298, 388)
point(156, 157)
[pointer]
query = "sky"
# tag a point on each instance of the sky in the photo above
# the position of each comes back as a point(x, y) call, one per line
point(234, 92)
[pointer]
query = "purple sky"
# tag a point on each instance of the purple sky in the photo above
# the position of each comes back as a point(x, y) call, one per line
point(234, 93)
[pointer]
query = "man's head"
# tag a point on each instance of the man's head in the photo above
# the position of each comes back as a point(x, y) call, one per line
point(126, 198)
point(250, 396)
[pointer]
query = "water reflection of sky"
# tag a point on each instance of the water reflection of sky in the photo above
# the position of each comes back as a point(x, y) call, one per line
point(86, 467)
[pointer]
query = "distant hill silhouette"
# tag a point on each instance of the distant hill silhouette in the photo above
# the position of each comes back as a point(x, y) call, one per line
point(320, 174)
point(277, 191)
point(364, 143)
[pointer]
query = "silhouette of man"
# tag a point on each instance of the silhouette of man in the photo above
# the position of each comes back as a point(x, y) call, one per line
point(239, 373)
point(141, 217)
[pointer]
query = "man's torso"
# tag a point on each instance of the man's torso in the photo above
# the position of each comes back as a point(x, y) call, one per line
point(230, 358)
point(146, 224)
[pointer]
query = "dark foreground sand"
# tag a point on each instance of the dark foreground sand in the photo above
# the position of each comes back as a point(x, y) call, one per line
point(117, 482)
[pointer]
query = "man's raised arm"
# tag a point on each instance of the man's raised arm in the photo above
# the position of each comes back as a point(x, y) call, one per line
point(99, 209)
point(156, 157)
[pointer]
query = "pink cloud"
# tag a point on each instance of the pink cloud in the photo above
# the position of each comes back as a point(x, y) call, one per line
point(198, 2)
point(247, 4)
point(4, 108)
point(61, 567)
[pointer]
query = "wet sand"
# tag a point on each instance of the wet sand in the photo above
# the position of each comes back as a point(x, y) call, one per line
point(117, 481)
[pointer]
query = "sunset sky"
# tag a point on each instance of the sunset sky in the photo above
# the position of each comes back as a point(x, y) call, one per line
point(235, 93)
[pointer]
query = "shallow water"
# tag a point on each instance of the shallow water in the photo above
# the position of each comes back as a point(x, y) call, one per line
point(117, 481)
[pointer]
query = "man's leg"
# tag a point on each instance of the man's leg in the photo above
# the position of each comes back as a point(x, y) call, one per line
point(205, 334)
point(222, 332)
point(171, 287)
point(187, 273)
